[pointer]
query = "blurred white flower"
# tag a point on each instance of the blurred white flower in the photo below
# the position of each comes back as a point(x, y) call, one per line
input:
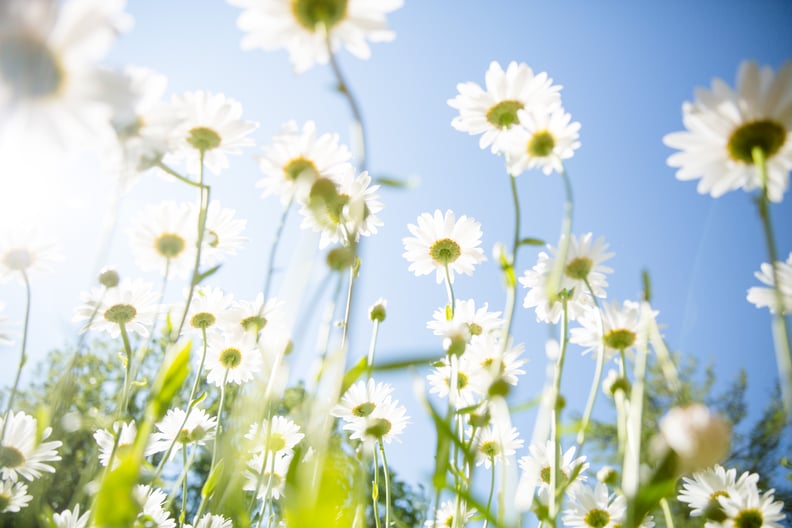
point(590, 507)
point(23, 451)
point(542, 141)
point(13, 496)
point(766, 297)
point(699, 437)
point(163, 238)
point(133, 303)
point(25, 252)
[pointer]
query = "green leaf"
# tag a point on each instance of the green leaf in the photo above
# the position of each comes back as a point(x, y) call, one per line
point(396, 183)
point(115, 506)
point(351, 375)
point(205, 275)
point(405, 363)
point(647, 285)
point(211, 481)
point(169, 380)
point(528, 241)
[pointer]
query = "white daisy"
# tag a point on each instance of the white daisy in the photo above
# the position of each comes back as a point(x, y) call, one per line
point(583, 263)
point(699, 437)
point(537, 467)
point(233, 358)
point(479, 322)
point(272, 479)
point(725, 125)
point(494, 444)
point(344, 210)
point(253, 317)
point(752, 510)
point(361, 399)
point(72, 518)
point(542, 141)
point(441, 241)
point(620, 330)
point(384, 424)
point(296, 158)
point(5, 335)
point(494, 112)
point(211, 123)
point(23, 451)
point(495, 361)
point(52, 90)
point(181, 429)
point(163, 237)
point(303, 27)
point(594, 507)
point(702, 490)
point(468, 384)
point(126, 431)
point(209, 520)
point(152, 501)
point(766, 297)
point(447, 514)
point(25, 251)
point(277, 436)
point(13, 496)
point(223, 233)
point(133, 303)
point(207, 307)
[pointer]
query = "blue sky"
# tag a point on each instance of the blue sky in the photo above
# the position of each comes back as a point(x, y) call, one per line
point(626, 68)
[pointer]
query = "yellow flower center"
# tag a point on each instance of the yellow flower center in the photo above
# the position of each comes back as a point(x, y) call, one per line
point(541, 144)
point(169, 245)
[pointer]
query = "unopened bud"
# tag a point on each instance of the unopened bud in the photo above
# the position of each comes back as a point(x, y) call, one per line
point(109, 278)
point(377, 311)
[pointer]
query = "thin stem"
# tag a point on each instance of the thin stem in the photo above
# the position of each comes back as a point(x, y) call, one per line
point(274, 249)
point(372, 347)
point(511, 296)
point(779, 325)
point(375, 490)
point(348, 309)
point(491, 492)
point(178, 176)
point(449, 290)
point(22, 356)
point(127, 370)
point(184, 487)
point(669, 519)
point(219, 421)
point(386, 475)
point(343, 88)
point(595, 382)
point(555, 475)
point(554, 279)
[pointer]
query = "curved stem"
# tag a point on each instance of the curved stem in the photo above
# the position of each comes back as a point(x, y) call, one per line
point(511, 296)
point(343, 88)
point(274, 249)
point(779, 325)
point(595, 382)
point(22, 356)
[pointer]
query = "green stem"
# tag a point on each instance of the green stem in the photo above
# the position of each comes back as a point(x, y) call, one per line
point(555, 475)
point(127, 370)
point(621, 407)
point(595, 382)
point(669, 518)
point(449, 290)
point(348, 309)
point(779, 324)
point(372, 347)
point(219, 421)
point(553, 285)
point(511, 290)
point(274, 249)
point(386, 475)
point(375, 491)
point(491, 492)
point(267, 498)
point(22, 356)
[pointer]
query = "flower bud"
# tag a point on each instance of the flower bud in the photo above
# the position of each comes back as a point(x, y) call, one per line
point(377, 311)
point(109, 278)
point(697, 436)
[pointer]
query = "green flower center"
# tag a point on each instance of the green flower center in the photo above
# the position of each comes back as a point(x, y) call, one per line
point(230, 358)
point(579, 268)
point(364, 409)
point(714, 510)
point(597, 518)
point(5, 500)
point(120, 313)
point(541, 144)
point(202, 320)
point(276, 442)
point(29, 68)
point(18, 259)
point(211, 238)
point(254, 323)
point(489, 448)
point(445, 251)
point(475, 329)
point(183, 436)
point(619, 339)
point(312, 13)
point(169, 245)
point(378, 428)
point(766, 134)
point(544, 474)
point(203, 138)
point(297, 167)
point(749, 519)
point(11, 457)
point(504, 114)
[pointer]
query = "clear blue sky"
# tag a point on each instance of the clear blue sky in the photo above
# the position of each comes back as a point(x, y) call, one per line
point(626, 68)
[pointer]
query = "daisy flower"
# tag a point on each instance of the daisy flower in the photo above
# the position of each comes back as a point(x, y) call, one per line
point(26, 252)
point(537, 467)
point(614, 327)
point(23, 452)
point(209, 520)
point(447, 514)
point(207, 307)
point(232, 359)
point(297, 158)
point(361, 399)
point(487, 351)
point(52, 90)
point(495, 444)
point(152, 502)
point(584, 263)
point(222, 235)
point(284, 434)
point(494, 112)
point(702, 490)
point(751, 509)
point(441, 242)
point(766, 297)
point(384, 424)
point(270, 481)
point(724, 126)
point(5, 338)
point(542, 141)
point(13, 496)
point(181, 429)
point(594, 507)
point(468, 382)
point(342, 211)
point(132, 303)
point(479, 322)
point(72, 518)
point(304, 27)
point(698, 437)
point(126, 432)
point(210, 123)
point(163, 239)
point(252, 317)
